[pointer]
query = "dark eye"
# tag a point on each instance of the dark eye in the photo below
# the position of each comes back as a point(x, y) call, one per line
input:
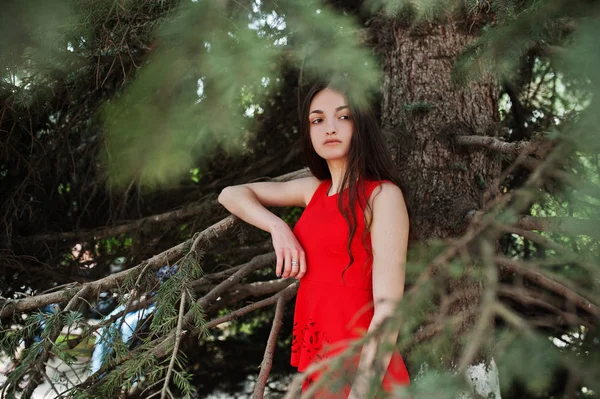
point(345, 117)
point(316, 120)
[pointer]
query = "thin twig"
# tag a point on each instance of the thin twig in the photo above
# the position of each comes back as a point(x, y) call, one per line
point(178, 335)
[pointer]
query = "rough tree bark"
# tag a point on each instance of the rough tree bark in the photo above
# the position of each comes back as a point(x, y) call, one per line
point(421, 112)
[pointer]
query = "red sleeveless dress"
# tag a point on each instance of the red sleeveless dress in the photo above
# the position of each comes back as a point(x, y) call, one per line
point(331, 311)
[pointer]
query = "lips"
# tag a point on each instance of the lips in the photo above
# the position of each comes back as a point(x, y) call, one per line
point(332, 141)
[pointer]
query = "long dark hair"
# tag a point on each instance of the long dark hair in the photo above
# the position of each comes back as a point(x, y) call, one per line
point(368, 159)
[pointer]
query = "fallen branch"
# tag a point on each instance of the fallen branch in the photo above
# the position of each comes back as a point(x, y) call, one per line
point(242, 291)
point(177, 215)
point(267, 363)
point(9, 307)
point(288, 293)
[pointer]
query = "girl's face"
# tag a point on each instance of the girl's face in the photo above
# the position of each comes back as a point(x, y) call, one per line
point(331, 125)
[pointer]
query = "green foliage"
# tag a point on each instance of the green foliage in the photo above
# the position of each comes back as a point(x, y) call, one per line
point(199, 317)
point(291, 215)
point(416, 11)
point(420, 107)
point(35, 31)
point(528, 359)
point(432, 383)
point(212, 69)
point(210, 73)
point(113, 245)
point(165, 316)
point(183, 381)
point(195, 175)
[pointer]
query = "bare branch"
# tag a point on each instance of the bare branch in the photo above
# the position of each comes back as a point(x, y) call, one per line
point(536, 147)
point(9, 307)
point(563, 224)
point(267, 363)
point(188, 211)
point(548, 283)
point(243, 291)
point(161, 349)
point(185, 212)
point(558, 224)
point(526, 298)
point(288, 293)
point(256, 263)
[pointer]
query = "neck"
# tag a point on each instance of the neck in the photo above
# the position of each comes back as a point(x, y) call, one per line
point(337, 167)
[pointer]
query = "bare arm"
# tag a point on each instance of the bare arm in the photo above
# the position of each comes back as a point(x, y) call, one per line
point(389, 238)
point(249, 202)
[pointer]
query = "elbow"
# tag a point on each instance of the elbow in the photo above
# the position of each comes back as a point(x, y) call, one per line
point(225, 193)
point(228, 193)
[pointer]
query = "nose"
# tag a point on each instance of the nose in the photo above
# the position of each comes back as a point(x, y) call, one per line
point(331, 129)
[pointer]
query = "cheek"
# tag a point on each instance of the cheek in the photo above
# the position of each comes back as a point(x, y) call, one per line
point(313, 137)
point(349, 128)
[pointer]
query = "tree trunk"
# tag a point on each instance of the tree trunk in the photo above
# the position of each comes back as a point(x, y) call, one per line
point(421, 112)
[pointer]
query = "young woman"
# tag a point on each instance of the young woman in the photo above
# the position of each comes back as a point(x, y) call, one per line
point(348, 249)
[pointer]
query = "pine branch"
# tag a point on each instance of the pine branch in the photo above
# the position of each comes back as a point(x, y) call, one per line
point(267, 363)
point(73, 342)
point(242, 291)
point(562, 224)
point(566, 178)
point(186, 212)
point(178, 335)
point(40, 363)
point(238, 292)
point(548, 283)
point(288, 292)
point(161, 345)
point(477, 336)
point(558, 224)
point(529, 298)
point(256, 263)
point(170, 256)
point(565, 254)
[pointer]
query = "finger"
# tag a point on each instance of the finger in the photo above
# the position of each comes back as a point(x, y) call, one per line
point(302, 271)
point(294, 263)
point(279, 264)
point(286, 264)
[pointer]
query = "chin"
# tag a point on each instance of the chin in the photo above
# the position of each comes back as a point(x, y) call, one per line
point(334, 157)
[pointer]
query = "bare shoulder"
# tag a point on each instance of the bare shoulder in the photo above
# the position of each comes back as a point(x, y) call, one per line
point(387, 201)
point(390, 190)
point(308, 185)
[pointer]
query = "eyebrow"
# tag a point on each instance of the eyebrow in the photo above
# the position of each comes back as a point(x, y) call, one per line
point(318, 111)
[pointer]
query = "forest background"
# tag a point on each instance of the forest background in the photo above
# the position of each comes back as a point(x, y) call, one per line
point(121, 121)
